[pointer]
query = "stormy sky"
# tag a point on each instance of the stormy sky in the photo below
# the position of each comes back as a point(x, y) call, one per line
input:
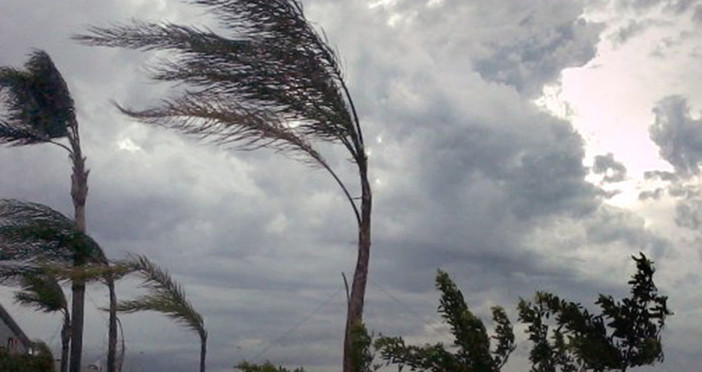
point(518, 145)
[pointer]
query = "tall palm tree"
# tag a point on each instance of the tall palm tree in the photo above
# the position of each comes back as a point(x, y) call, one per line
point(271, 81)
point(40, 110)
point(165, 296)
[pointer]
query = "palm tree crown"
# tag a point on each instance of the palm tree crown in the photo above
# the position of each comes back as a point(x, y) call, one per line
point(33, 231)
point(39, 106)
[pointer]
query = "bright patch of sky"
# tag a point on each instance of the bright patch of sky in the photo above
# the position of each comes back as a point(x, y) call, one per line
point(643, 55)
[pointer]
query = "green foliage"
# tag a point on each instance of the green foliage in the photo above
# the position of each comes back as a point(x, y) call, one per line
point(41, 292)
point(361, 354)
point(625, 334)
point(471, 341)
point(165, 296)
point(41, 361)
point(33, 231)
point(39, 105)
point(265, 367)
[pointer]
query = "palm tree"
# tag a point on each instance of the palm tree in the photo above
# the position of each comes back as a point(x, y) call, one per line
point(31, 235)
point(44, 293)
point(270, 81)
point(165, 296)
point(40, 110)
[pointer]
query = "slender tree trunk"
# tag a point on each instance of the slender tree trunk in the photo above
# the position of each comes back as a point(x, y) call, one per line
point(79, 193)
point(360, 277)
point(203, 352)
point(112, 333)
point(65, 340)
point(78, 289)
point(120, 357)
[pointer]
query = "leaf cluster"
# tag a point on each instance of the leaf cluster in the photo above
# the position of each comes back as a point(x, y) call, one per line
point(269, 80)
point(42, 292)
point(625, 334)
point(564, 335)
point(38, 103)
point(41, 361)
point(471, 342)
point(265, 367)
point(164, 296)
point(33, 231)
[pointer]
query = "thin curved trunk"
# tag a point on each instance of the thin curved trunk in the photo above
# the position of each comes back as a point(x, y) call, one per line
point(360, 277)
point(203, 352)
point(65, 340)
point(112, 333)
point(120, 359)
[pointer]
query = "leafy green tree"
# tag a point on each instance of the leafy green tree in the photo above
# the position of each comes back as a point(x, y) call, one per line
point(269, 80)
point(471, 341)
point(40, 110)
point(626, 333)
point(265, 367)
point(40, 361)
point(164, 296)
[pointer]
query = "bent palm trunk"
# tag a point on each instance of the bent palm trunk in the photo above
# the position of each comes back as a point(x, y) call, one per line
point(360, 277)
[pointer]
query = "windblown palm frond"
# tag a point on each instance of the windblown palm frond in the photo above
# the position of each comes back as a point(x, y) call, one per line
point(32, 231)
point(42, 292)
point(271, 81)
point(165, 296)
point(39, 105)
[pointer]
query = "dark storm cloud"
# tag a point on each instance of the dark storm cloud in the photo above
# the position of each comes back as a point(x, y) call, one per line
point(464, 167)
point(538, 55)
point(677, 134)
point(612, 170)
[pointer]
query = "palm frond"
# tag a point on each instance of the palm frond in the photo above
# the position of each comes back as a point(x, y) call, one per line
point(12, 272)
point(32, 231)
point(39, 105)
point(42, 292)
point(270, 67)
point(165, 296)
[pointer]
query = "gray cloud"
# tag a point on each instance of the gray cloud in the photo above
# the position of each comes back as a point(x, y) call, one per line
point(672, 6)
point(465, 169)
point(677, 134)
point(547, 41)
point(697, 15)
point(612, 170)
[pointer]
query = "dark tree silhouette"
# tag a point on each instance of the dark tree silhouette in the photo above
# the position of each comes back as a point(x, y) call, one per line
point(625, 334)
point(270, 81)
